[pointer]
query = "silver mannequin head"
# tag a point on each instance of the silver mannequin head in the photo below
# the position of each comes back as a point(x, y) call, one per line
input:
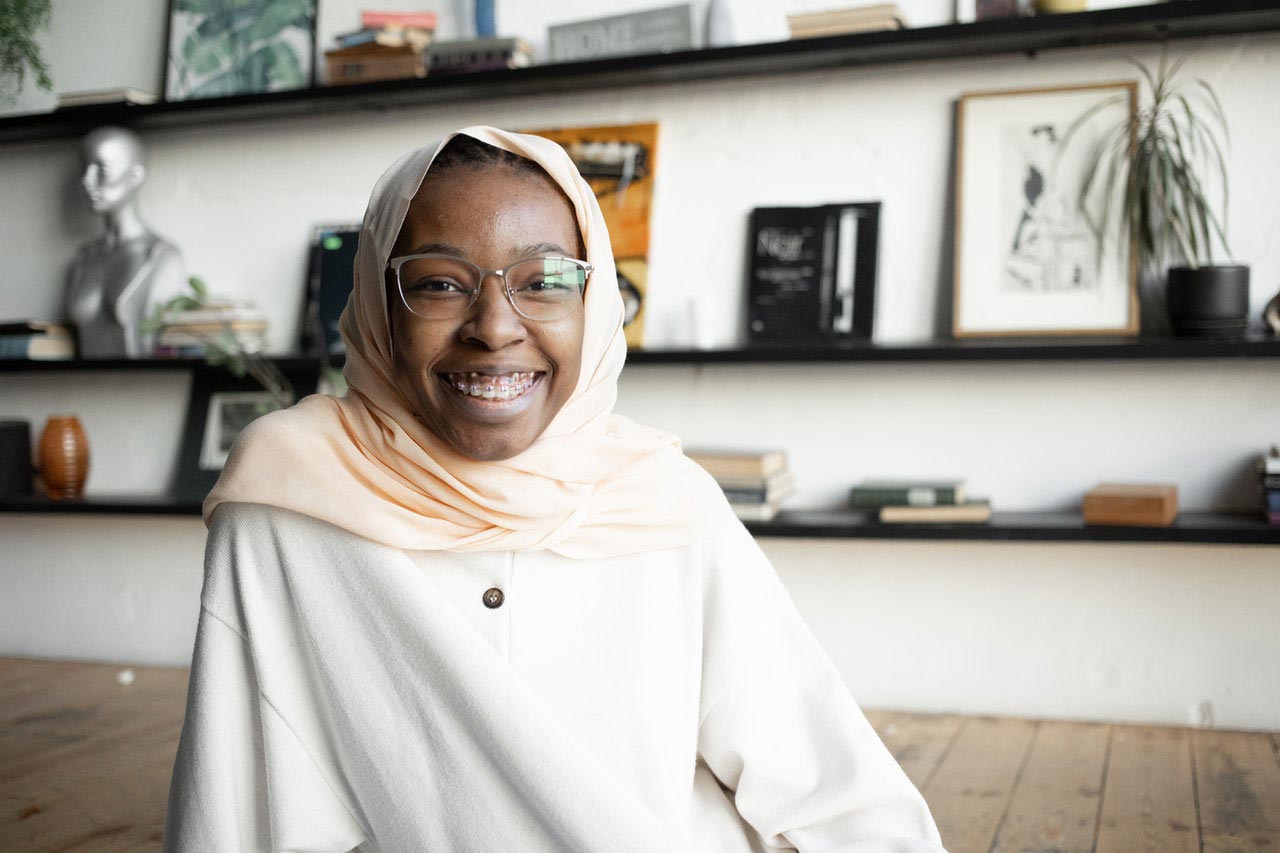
point(114, 167)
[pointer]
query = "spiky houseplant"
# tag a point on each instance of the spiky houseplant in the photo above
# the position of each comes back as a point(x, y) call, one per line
point(1149, 178)
point(20, 20)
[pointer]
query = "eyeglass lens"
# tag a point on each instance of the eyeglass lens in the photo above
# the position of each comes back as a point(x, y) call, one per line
point(440, 287)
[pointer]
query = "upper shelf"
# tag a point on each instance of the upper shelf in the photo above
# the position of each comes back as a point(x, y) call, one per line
point(1056, 348)
point(1153, 22)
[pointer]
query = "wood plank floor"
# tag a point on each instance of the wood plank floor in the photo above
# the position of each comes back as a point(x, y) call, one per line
point(85, 763)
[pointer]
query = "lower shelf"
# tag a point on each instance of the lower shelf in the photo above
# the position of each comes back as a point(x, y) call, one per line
point(1191, 527)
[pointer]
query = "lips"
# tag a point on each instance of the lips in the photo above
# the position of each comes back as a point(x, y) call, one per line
point(490, 393)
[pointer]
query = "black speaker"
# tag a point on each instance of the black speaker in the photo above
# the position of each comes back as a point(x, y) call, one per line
point(15, 458)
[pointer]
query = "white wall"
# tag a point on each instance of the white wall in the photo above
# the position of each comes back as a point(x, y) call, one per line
point(1137, 632)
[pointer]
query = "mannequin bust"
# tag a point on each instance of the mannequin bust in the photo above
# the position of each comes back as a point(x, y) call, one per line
point(116, 280)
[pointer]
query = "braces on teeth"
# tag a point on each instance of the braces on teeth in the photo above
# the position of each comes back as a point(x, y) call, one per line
point(504, 390)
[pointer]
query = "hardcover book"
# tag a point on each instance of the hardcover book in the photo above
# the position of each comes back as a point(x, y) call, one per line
point(726, 465)
point(973, 510)
point(876, 493)
point(812, 272)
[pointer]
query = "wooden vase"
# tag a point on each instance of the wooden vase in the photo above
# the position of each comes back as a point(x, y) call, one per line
point(64, 457)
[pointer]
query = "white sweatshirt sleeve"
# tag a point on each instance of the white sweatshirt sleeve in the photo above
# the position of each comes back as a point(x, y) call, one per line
point(241, 778)
point(780, 729)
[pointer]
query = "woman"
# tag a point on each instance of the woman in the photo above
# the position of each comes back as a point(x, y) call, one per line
point(467, 607)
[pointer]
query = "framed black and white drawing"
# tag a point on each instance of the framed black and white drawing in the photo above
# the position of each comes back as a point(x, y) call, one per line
point(218, 49)
point(1026, 260)
point(219, 408)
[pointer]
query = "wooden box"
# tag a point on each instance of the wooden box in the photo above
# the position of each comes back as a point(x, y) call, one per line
point(1131, 504)
point(367, 63)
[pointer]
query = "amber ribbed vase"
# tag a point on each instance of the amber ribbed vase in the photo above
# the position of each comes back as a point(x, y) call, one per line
point(64, 456)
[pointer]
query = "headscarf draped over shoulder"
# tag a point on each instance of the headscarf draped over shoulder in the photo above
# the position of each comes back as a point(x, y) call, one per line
point(594, 484)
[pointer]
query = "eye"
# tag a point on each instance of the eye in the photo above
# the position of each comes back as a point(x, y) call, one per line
point(437, 285)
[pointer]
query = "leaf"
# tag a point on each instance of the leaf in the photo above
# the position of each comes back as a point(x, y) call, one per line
point(279, 15)
point(197, 284)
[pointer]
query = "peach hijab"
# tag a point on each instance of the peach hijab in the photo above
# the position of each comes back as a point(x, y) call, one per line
point(594, 484)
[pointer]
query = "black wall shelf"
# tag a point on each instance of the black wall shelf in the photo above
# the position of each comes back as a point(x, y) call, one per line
point(1155, 22)
point(1190, 527)
point(1257, 345)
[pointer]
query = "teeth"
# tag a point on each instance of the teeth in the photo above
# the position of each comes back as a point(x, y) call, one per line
point(488, 387)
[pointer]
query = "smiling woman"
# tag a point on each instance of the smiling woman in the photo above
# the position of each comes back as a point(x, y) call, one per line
point(466, 606)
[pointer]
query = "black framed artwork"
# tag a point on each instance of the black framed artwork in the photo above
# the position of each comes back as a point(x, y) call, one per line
point(812, 273)
point(219, 407)
point(217, 49)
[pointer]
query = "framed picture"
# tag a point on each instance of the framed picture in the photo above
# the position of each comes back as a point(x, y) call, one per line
point(811, 273)
point(620, 164)
point(218, 49)
point(219, 408)
point(1026, 260)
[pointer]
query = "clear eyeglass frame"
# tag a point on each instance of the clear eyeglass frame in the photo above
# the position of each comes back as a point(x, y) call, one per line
point(457, 309)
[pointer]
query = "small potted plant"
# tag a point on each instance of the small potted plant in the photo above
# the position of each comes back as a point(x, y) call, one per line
point(1150, 178)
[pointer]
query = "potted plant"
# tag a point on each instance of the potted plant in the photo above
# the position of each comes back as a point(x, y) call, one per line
point(1150, 178)
point(19, 50)
point(222, 348)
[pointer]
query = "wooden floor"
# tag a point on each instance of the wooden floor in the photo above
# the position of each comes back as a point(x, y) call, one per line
point(85, 764)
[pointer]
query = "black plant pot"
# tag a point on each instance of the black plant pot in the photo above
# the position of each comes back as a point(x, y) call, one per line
point(1211, 301)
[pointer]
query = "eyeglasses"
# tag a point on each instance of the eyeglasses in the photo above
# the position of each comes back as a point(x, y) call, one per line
point(444, 287)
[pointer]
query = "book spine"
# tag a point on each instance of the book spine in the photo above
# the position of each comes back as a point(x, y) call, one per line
point(914, 496)
point(416, 20)
point(16, 346)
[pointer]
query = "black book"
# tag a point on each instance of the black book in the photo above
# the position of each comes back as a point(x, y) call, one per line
point(330, 277)
point(812, 272)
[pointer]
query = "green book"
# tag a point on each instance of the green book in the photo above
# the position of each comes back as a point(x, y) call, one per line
point(870, 494)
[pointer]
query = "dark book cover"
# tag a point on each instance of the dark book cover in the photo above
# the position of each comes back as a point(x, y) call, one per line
point(330, 278)
point(812, 272)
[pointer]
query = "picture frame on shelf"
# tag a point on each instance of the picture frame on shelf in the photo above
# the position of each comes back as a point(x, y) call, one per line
point(1026, 261)
point(219, 407)
point(811, 273)
point(212, 53)
point(620, 163)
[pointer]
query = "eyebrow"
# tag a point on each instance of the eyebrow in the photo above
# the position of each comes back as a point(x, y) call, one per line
point(526, 251)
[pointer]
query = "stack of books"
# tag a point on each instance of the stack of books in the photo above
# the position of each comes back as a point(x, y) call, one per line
point(186, 334)
point(37, 340)
point(388, 46)
point(913, 501)
point(755, 482)
point(858, 19)
point(1269, 479)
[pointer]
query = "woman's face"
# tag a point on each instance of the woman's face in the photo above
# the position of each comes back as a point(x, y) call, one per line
point(491, 217)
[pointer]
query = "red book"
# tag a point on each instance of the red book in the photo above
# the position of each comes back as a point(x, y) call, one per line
point(408, 20)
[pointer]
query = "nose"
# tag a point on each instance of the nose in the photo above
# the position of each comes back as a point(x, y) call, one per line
point(493, 321)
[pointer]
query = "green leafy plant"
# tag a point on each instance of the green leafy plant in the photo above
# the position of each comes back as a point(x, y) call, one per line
point(240, 46)
point(223, 348)
point(20, 20)
point(1147, 174)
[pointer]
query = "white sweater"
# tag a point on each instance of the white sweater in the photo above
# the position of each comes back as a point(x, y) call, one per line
point(345, 694)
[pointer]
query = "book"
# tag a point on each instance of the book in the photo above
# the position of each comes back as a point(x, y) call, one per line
point(772, 489)
point(971, 510)
point(118, 95)
point(727, 464)
point(367, 63)
point(755, 512)
point(37, 347)
point(812, 272)
point(409, 20)
point(38, 340)
point(870, 494)
point(881, 16)
point(388, 36)
point(1131, 504)
point(1272, 500)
